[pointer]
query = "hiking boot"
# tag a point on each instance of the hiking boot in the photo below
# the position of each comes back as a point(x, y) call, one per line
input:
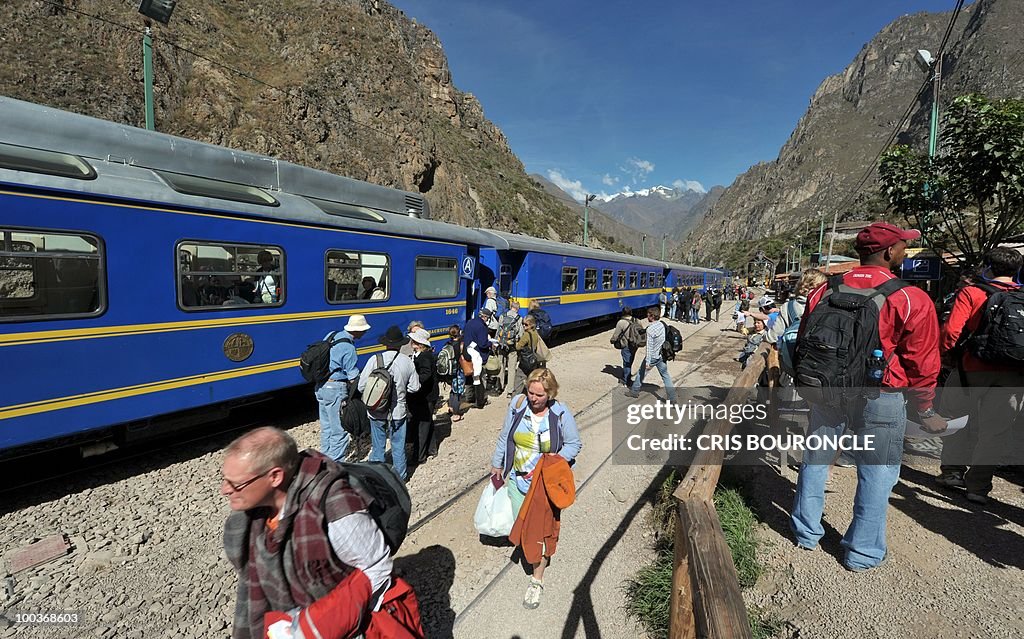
point(533, 593)
point(632, 393)
point(977, 498)
point(951, 480)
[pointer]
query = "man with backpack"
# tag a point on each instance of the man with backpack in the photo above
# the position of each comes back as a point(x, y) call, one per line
point(628, 337)
point(385, 381)
point(293, 511)
point(656, 330)
point(476, 344)
point(339, 386)
point(985, 334)
point(846, 320)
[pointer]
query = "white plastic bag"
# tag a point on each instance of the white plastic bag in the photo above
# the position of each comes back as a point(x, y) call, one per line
point(493, 516)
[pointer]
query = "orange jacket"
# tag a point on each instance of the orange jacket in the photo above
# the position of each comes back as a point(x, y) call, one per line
point(537, 526)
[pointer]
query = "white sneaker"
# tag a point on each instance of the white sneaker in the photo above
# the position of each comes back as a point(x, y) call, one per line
point(533, 593)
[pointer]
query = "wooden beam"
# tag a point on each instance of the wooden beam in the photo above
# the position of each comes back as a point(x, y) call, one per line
point(681, 623)
point(718, 608)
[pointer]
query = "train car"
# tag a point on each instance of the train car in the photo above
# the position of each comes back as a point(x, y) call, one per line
point(574, 284)
point(142, 275)
point(696, 277)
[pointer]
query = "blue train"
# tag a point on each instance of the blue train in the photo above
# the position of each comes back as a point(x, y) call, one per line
point(144, 276)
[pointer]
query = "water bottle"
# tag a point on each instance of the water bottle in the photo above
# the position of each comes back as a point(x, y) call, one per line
point(876, 367)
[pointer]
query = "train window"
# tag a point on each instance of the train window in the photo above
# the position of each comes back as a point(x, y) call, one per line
point(590, 279)
point(50, 274)
point(21, 158)
point(606, 279)
point(652, 281)
point(212, 275)
point(354, 276)
point(569, 277)
point(622, 279)
point(219, 189)
point(436, 277)
point(632, 279)
point(346, 210)
point(643, 280)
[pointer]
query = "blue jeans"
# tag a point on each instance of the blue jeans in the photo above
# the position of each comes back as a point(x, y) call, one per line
point(663, 369)
point(695, 315)
point(379, 440)
point(627, 365)
point(333, 437)
point(878, 470)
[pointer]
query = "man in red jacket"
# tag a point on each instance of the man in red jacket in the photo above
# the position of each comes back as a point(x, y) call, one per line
point(909, 333)
point(990, 392)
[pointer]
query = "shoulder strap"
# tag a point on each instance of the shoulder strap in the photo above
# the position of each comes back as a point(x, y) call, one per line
point(988, 288)
point(519, 401)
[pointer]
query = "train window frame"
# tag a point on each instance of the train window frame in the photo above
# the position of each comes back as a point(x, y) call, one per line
point(573, 273)
point(621, 279)
point(633, 279)
point(23, 158)
point(100, 293)
point(386, 272)
point(590, 279)
point(216, 189)
point(643, 279)
point(455, 277)
point(607, 279)
point(225, 245)
point(505, 280)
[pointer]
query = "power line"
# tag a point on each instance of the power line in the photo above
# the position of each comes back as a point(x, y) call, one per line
point(906, 115)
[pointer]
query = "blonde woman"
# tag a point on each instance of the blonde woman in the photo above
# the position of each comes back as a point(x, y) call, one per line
point(535, 424)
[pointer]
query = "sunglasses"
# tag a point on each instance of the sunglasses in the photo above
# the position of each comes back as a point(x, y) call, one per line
point(239, 487)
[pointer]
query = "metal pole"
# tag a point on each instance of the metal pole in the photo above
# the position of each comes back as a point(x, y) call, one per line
point(586, 218)
point(643, 246)
point(147, 73)
point(831, 240)
point(663, 236)
point(821, 233)
point(933, 135)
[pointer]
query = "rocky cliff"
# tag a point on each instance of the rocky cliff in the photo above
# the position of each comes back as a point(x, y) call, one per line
point(853, 113)
point(353, 87)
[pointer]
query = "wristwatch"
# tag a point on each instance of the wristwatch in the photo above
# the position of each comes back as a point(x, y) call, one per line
point(926, 413)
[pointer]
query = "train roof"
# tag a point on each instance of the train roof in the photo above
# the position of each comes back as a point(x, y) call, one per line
point(144, 165)
point(511, 241)
point(699, 269)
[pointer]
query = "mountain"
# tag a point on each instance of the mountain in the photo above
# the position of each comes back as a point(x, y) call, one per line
point(628, 237)
point(353, 87)
point(851, 116)
point(657, 210)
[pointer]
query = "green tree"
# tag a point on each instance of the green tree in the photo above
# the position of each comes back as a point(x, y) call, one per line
point(971, 197)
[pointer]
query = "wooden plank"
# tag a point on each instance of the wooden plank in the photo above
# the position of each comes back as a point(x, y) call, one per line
point(681, 623)
point(40, 552)
point(718, 608)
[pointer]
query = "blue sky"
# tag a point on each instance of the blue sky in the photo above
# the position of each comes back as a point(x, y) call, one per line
point(605, 96)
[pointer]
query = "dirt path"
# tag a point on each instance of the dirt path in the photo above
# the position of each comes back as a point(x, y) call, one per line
point(953, 570)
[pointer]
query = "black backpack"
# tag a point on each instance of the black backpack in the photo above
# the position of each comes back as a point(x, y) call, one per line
point(999, 338)
point(543, 323)
point(315, 361)
point(528, 360)
point(834, 349)
point(673, 343)
point(386, 496)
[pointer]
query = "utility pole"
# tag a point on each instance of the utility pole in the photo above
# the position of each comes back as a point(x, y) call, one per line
point(643, 246)
point(147, 72)
point(586, 216)
point(831, 240)
point(821, 233)
point(663, 236)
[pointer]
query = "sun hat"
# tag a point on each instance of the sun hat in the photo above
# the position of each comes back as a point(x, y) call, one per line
point(357, 323)
point(420, 336)
point(393, 337)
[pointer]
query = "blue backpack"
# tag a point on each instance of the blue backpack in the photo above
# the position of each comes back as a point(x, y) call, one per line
point(502, 305)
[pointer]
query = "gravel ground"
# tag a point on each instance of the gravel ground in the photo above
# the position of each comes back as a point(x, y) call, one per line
point(146, 535)
point(953, 570)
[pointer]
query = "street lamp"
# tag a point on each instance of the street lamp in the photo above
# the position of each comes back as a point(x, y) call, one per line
point(586, 216)
point(159, 10)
